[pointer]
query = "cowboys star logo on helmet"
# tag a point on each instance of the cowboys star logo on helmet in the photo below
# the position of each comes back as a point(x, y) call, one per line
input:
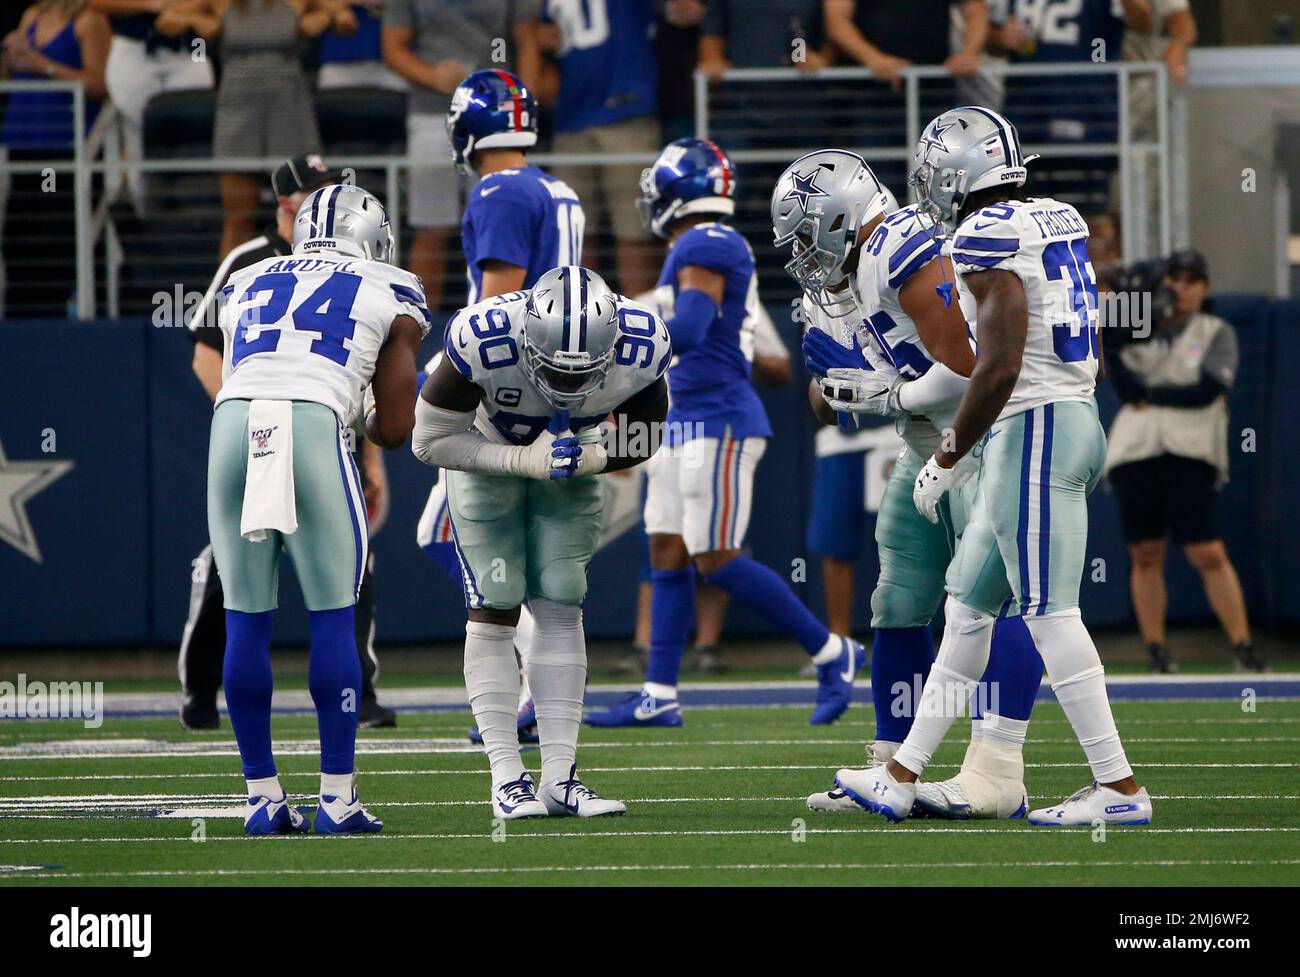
point(934, 138)
point(803, 186)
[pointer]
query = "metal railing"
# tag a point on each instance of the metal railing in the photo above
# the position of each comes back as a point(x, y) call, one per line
point(97, 154)
point(1133, 154)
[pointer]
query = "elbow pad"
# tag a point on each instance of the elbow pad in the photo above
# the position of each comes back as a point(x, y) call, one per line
point(694, 313)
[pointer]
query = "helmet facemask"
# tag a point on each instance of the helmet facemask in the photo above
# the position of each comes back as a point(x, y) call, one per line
point(816, 269)
point(565, 379)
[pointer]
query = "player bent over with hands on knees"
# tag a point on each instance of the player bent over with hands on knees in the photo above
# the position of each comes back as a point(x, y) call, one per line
point(1029, 411)
point(305, 334)
point(511, 413)
point(885, 339)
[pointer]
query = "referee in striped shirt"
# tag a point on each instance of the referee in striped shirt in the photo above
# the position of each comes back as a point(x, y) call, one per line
point(203, 642)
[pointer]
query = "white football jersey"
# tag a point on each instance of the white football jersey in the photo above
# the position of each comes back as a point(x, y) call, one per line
point(1045, 244)
point(310, 327)
point(488, 351)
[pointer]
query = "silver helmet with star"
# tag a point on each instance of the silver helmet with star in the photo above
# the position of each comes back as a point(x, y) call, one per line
point(819, 204)
point(962, 151)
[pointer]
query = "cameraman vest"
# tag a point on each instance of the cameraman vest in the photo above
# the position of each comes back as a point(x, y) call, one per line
point(1148, 431)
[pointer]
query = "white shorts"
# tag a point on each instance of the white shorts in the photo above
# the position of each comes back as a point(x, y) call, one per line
point(435, 190)
point(703, 491)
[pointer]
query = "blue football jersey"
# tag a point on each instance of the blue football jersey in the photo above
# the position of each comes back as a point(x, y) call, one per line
point(607, 62)
point(710, 383)
point(525, 218)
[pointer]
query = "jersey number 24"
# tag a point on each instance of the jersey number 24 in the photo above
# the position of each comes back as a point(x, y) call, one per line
point(327, 312)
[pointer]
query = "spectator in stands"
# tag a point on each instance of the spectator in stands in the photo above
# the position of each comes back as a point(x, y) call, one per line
point(357, 61)
point(144, 62)
point(1067, 111)
point(677, 42)
point(264, 107)
point(878, 36)
point(1172, 33)
point(600, 75)
point(56, 40)
point(434, 44)
point(1167, 454)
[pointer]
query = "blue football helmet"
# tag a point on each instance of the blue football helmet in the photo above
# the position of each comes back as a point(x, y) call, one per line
point(691, 176)
point(491, 109)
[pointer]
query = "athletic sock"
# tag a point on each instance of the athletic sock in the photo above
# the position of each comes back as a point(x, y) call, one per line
point(524, 629)
point(765, 592)
point(337, 785)
point(1014, 673)
point(659, 691)
point(1079, 682)
point(900, 663)
point(334, 678)
point(557, 672)
point(246, 675)
point(492, 683)
point(672, 612)
point(963, 656)
point(1004, 730)
point(266, 787)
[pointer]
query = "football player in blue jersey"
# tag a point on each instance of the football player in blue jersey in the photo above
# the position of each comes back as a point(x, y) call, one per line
point(519, 223)
point(701, 483)
point(512, 413)
point(873, 279)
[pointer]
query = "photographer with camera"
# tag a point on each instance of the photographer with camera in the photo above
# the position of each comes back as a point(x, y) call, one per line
point(1168, 448)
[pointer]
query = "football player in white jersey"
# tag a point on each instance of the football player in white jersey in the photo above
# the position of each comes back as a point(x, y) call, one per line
point(305, 335)
point(1029, 411)
point(511, 412)
point(877, 288)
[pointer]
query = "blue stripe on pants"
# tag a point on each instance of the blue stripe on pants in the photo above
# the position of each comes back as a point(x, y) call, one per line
point(1022, 532)
point(352, 513)
point(1045, 512)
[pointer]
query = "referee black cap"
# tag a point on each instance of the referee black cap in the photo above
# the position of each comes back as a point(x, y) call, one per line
point(302, 174)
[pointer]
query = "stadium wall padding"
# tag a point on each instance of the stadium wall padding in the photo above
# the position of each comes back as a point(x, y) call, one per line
point(118, 532)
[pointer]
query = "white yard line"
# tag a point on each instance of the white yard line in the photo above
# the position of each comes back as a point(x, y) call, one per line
point(28, 870)
point(914, 831)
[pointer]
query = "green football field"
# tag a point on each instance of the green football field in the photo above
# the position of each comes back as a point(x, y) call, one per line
point(721, 800)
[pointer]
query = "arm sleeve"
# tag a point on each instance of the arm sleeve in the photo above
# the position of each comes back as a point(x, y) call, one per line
point(1223, 357)
point(1204, 392)
point(695, 313)
point(938, 386)
point(1130, 387)
point(447, 439)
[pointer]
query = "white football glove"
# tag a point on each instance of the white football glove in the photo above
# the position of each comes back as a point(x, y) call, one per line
point(863, 391)
point(931, 483)
point(547, 457)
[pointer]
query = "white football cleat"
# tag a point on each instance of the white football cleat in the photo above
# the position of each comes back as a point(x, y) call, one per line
point(573, 797)
point(971, 796)
point(835, 799)
point(832, 800)
point(878, 792)
point(1094, 803)
point(516, 799)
